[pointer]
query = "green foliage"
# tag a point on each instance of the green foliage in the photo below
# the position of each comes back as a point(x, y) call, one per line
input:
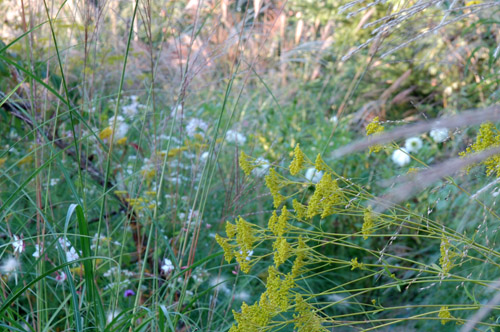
point(122, 127)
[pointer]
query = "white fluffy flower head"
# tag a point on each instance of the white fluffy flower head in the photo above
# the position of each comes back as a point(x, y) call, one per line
point(401, 157)
point(196, 126)
point(232, 136)
point(10, 265)
point(439, 134)
point(413, 144)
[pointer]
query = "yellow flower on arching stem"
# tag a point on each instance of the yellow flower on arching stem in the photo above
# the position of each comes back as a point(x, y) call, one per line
point(319, 164)
point(251, 318)
point(228, 252)
point(356, 265)
point(282, 252)
point(326, 196)
point(306, 318)
point(245, 164)
point(278, 225)
point(446, 256)
point(488, 137)
point(368, 223)
point(300, 209)
point(230, 230)
point(121, 141)
point(374, 128)
point(106, 133)
point(298, 160)
point(273, 183)
point(445, 315)
point(301, 254)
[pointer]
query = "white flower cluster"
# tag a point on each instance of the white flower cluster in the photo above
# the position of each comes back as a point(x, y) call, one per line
point(71, 253)
point(167, 266)
point(196, 126)
point(232, 136)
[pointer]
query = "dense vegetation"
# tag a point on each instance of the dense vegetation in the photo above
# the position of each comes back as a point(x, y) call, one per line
point(249, 165)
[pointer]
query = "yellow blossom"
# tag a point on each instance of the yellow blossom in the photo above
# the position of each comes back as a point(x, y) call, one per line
point(488, 137)
point(300, 252)
point(230, 230)
point(326, 196)
point(445, 315)
point(228, 252)
point(122, 141)
point(300, 209)
point(274, 184)
point(245, 164)
point(368, 223)
point(106, 133)
point(374, 128)
point(2, 161)
point(298, 160)
point(356, 265)
point(306, 319)
point(282, 252)
point(319, 164)
point(446, 256)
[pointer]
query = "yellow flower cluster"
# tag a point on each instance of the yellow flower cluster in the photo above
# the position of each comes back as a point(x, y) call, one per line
point(274, 184)
point(139, 203)
point(368, 223)
point(298, 160)
point(445, 315)
point(251, 319)
point(356, 265)
point(243, 233)
point(278, 225)
point(300, 209)
point(245, 164)
point(320, 164)
point(306, 319)
point(282, 252)
point(275, 298)
point(273, 301)
point(106, 133)
point(374, 128)
point(226, 246)
point(299, 263)
point(488, 137)
point(326, 196)
point(446, 256)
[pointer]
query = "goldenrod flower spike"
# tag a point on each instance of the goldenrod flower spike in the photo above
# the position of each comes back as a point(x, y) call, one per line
point(282, 252)
point(445, 315)
point(356, 265)
point(245, 164)
point(300, 209)
point(374, 128)
point(488, 137)
point(228, 252)
point(446, 256)
point(320, 164)
point(273, 183)
point(298, 160)
point(368, 223)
